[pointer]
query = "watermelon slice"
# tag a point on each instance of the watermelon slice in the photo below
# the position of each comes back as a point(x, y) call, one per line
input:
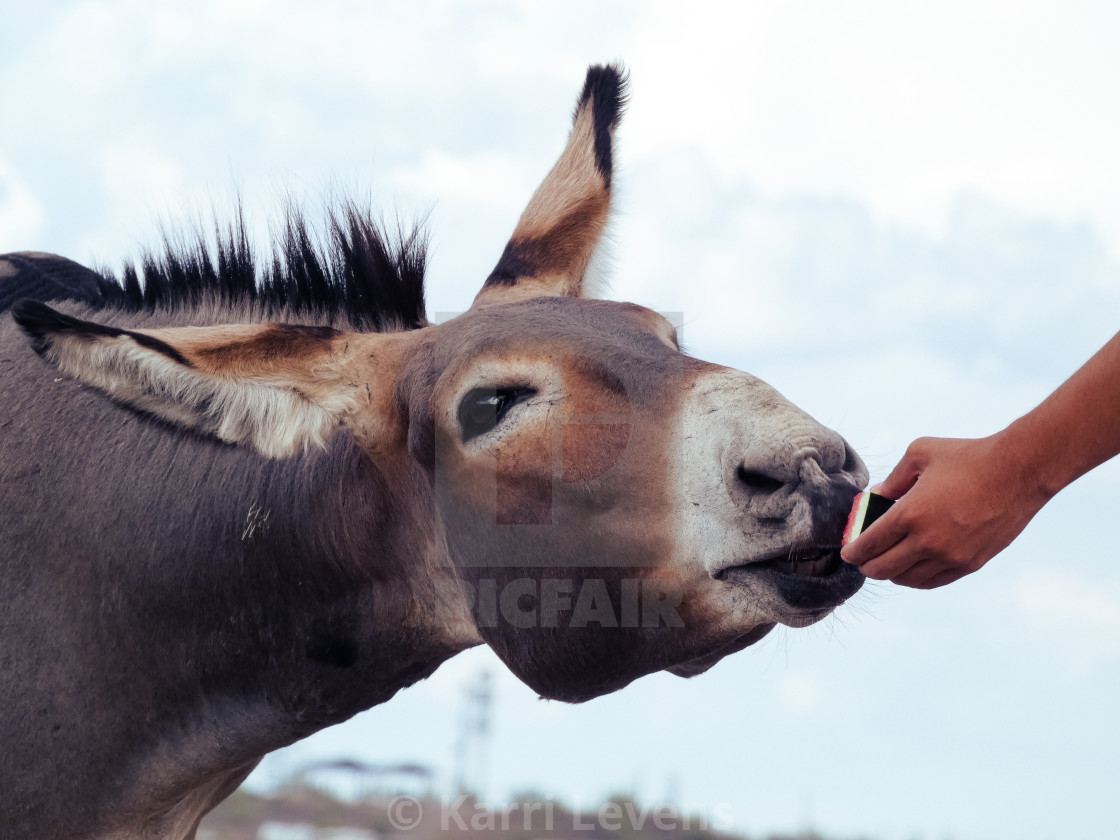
point(866, 508)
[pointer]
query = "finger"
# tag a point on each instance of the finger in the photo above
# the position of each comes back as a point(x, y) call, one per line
point(920, 574)
point(895, 561)
point(905, 474)
point(883, 534)
point(942, 578)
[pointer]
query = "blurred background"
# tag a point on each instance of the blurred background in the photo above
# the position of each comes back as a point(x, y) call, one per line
point(903, 215)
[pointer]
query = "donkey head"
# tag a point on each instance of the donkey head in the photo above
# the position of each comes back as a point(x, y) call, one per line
point(607, 505)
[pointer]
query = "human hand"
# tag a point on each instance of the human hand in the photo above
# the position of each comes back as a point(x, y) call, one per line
point(961, 502)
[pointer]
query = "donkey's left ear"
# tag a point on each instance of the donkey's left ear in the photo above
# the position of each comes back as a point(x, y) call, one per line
point(279, 388)
point(560, 230)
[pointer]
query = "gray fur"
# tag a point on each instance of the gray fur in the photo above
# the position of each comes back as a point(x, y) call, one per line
point(113, 523)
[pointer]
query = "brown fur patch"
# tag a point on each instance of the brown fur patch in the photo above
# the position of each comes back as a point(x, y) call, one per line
point(524, 486)
point(596, 428)
point(271, 342)
point(590, 449)
point(312, 361)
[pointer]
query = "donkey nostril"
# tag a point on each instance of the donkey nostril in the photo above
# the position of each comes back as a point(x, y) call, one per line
point(852, 462)
point(759, 481)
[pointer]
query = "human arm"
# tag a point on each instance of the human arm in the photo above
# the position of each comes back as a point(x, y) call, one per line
point(961, 501)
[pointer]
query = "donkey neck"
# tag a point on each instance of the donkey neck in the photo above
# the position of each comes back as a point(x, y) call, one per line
point(313, 580)
point(331, 594)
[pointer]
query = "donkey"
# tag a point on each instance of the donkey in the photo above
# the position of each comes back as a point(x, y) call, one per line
point(242, 503)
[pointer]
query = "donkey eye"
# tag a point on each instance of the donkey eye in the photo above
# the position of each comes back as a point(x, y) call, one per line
point(483, 408)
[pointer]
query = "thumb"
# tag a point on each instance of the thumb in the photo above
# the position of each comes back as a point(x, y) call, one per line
point(906, 473)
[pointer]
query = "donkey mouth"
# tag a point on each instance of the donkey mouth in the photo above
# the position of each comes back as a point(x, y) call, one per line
point(810, 581)
point(818, 565)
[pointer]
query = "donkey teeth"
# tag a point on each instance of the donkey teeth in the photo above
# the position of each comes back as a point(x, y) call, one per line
point(815, 567)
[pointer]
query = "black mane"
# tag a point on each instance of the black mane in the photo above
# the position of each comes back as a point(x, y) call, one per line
point(356, 273)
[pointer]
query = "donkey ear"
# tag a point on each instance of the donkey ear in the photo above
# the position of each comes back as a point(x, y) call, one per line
point(559, 231)
point(277, 387)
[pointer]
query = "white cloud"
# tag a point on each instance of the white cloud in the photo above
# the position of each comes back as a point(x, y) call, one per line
point(482, 179)
point(905, 104)
point(21, 212)
point(999, 294)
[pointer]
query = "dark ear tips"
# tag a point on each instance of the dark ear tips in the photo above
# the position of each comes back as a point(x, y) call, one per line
point(606, 88)
point(39, 321)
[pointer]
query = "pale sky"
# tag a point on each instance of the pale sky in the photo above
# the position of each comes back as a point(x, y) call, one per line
point(905, 216)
